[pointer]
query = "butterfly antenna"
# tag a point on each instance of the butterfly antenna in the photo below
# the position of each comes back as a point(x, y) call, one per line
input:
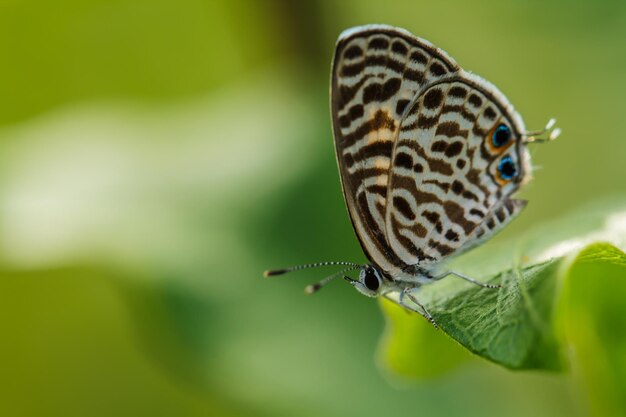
point(274, 272)
point(313, 288)
point(535, 136)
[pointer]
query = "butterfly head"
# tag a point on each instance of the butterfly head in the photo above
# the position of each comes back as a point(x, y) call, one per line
point(370, 283)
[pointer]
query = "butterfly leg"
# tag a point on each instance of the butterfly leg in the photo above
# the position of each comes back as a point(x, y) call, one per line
point(466, 278)
point(395, 301)
point(423, 312)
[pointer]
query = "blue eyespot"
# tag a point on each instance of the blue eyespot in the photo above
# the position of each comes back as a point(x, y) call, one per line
point(501, 136)
point(507, 168)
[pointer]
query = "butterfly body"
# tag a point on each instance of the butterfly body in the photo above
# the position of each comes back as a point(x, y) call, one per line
point(386, 284)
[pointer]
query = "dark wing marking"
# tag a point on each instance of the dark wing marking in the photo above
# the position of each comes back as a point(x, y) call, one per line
point(492, 224)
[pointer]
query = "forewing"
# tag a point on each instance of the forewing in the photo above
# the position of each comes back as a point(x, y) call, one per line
point(445, 191)
point(377, 71)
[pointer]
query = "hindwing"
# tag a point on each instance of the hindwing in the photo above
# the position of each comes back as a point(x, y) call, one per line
point(446, 190)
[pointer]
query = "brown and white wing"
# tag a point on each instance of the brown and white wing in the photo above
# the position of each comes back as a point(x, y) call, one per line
point(377, 70)
point(446, 192)
point(493, 223)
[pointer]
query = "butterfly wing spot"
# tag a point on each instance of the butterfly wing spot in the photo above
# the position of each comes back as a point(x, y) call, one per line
point(355, 112)
point(451, 129)
point(433, 98)
point(475, 100)
point(353, 52)
point(452, 236)
point(457, 92)
point(381, 91)
point(437, 69)
point(378, 42)
point(401, 106)
point(403, 160)
point(403, 207)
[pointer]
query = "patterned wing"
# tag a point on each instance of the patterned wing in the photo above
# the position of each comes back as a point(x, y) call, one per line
point(377, 71)
point(493, 223)
point(458, 158)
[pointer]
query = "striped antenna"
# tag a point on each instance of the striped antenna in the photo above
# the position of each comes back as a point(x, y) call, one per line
point(313, 288)
point(274, 272)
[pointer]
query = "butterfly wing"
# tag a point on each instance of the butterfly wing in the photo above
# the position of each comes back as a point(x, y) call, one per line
point(377, 71)
point(493, 223)
point(446, 192)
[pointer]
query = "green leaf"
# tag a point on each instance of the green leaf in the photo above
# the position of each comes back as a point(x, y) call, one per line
point(564, 286)
point(592, 319)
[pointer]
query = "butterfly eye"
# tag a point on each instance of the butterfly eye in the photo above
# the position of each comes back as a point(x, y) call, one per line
point(501, 136)
point(507, 168)
point(371, 280)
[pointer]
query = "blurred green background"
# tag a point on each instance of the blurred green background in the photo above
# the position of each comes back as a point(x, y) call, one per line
point(157, 156)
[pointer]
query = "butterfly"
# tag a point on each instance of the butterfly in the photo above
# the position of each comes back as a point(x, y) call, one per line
point(429, 157)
